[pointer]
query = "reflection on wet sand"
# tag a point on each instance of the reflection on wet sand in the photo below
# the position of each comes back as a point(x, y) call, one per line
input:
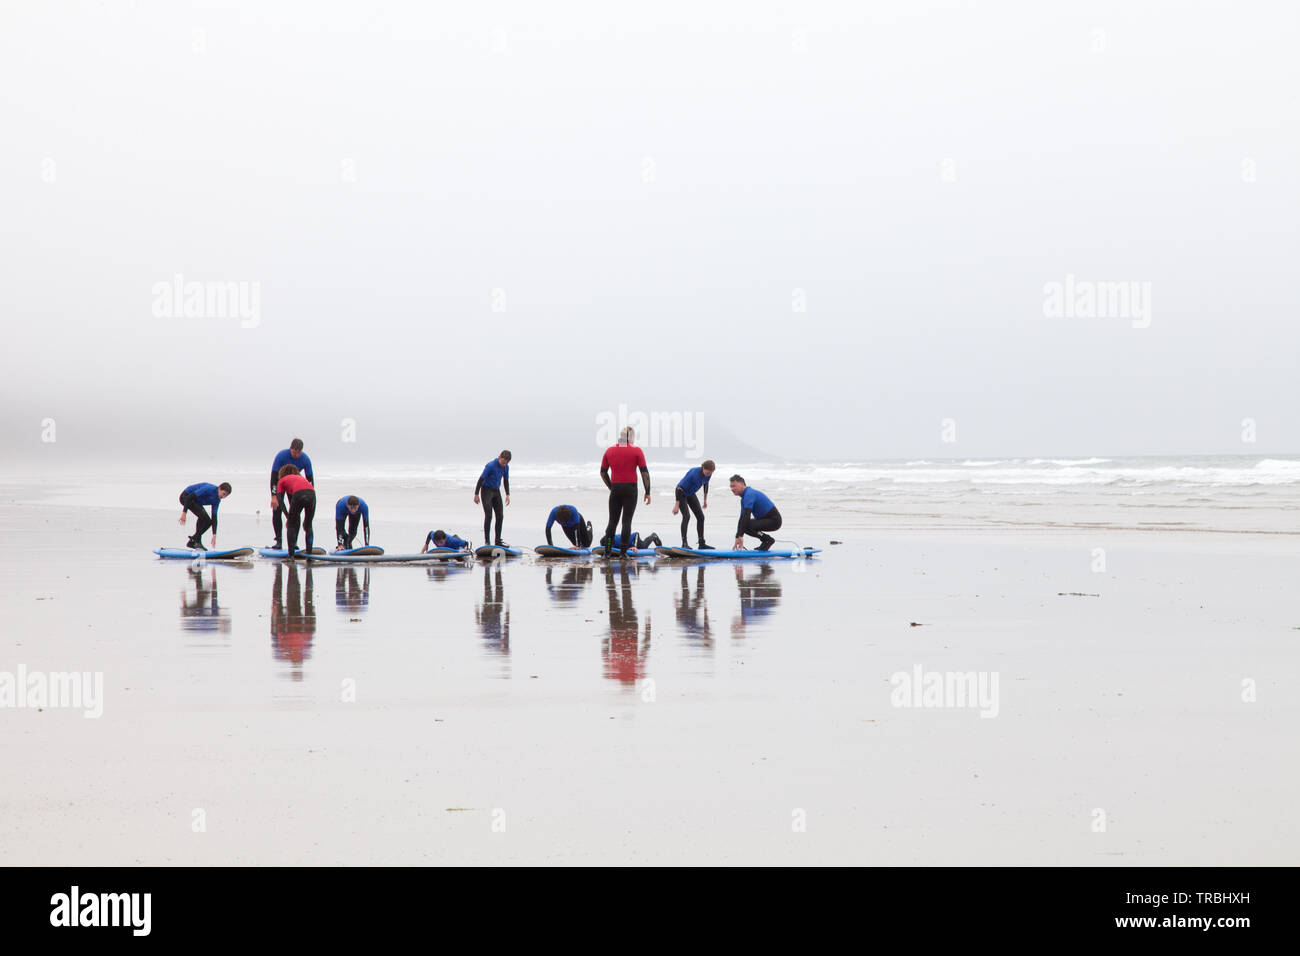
point(441, 570)
point(293, 616)
point(571, 583)
point(693, 610)
point(349, 596)
point(623, 652)
point(760, 594)
point(493, 617)
point(204, 612)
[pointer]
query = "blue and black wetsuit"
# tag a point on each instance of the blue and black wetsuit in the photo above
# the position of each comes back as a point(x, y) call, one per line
point(453, 542)
point(303, 464)
point(576, 529)
point(757, 517)
point(689, 503)
point(194, 497)
point(342, 516)
point(495, 476)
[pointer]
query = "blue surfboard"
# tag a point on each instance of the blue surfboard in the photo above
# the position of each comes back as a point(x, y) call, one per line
point(633, 554)
point(783, 553)
point(284, 553)
point(428, 557)
point(490, 552)
point(552, 551)
point(191, 554)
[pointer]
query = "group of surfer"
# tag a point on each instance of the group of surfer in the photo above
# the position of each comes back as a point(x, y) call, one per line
point(293, 501)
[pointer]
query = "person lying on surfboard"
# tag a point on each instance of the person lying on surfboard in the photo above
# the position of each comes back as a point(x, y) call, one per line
point(757, 515)
point(576, 528)
point(293, 455)
point(496, 474)
point(693, 481)
point(638, 541)
point(193, 498)
point(349, 510)
point(441, 539)
point(302, 505)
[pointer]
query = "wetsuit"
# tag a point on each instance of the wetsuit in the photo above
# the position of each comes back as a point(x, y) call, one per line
point(689, 503)
point(618, 471)
point(302, 507)
point(453, 542)
point(757, 517)
point(576, 530)
point(194, 497)
point(495, 476)
point(341, 515)
point(303, 464)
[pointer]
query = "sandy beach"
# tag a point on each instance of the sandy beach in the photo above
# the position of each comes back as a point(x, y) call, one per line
point(535, 712)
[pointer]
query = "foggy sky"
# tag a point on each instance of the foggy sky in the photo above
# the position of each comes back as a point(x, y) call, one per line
point(481, 229)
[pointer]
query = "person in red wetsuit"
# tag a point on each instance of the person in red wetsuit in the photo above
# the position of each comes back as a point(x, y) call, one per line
point(302, 505)
point(618, 471)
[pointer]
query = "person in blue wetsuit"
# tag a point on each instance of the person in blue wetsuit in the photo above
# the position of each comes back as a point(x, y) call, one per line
point(758, 515)
point(293, 455)
point(688, 502)
point(349, 510)
point(193, 498)
point(441, 539)
point(495, 478)
point(575, 527)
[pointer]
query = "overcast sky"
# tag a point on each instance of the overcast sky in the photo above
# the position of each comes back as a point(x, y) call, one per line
point(823, 228)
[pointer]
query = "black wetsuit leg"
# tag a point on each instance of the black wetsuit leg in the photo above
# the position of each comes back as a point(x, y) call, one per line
point(622, 505)
point(492, 506)
point(191, 504)
point(757, 527)
point(688, 505)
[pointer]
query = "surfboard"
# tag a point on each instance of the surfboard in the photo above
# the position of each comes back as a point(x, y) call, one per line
point(490, 552)
point(427, 558)
point(190, 554)
point(633, 554)
point(739, 555)
point(369, 551)
point(552, 551)
point(284, 553)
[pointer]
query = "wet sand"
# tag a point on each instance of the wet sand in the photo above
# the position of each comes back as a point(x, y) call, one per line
point(552, 712)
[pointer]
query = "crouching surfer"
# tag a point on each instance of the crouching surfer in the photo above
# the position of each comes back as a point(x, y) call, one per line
point(193, 499)
point(758, 515)
point(576, 528)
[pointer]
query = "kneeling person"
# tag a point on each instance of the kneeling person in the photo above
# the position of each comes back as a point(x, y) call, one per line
point(757, 515)
point(574, 526)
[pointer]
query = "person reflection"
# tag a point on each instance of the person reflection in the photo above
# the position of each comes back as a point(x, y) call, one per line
point(569, 587)
point(493, 614)
point(624, 654)
point(204, 612)
point(349, 596)
point(693, 610)
point(293, 616)
point(759, 596)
